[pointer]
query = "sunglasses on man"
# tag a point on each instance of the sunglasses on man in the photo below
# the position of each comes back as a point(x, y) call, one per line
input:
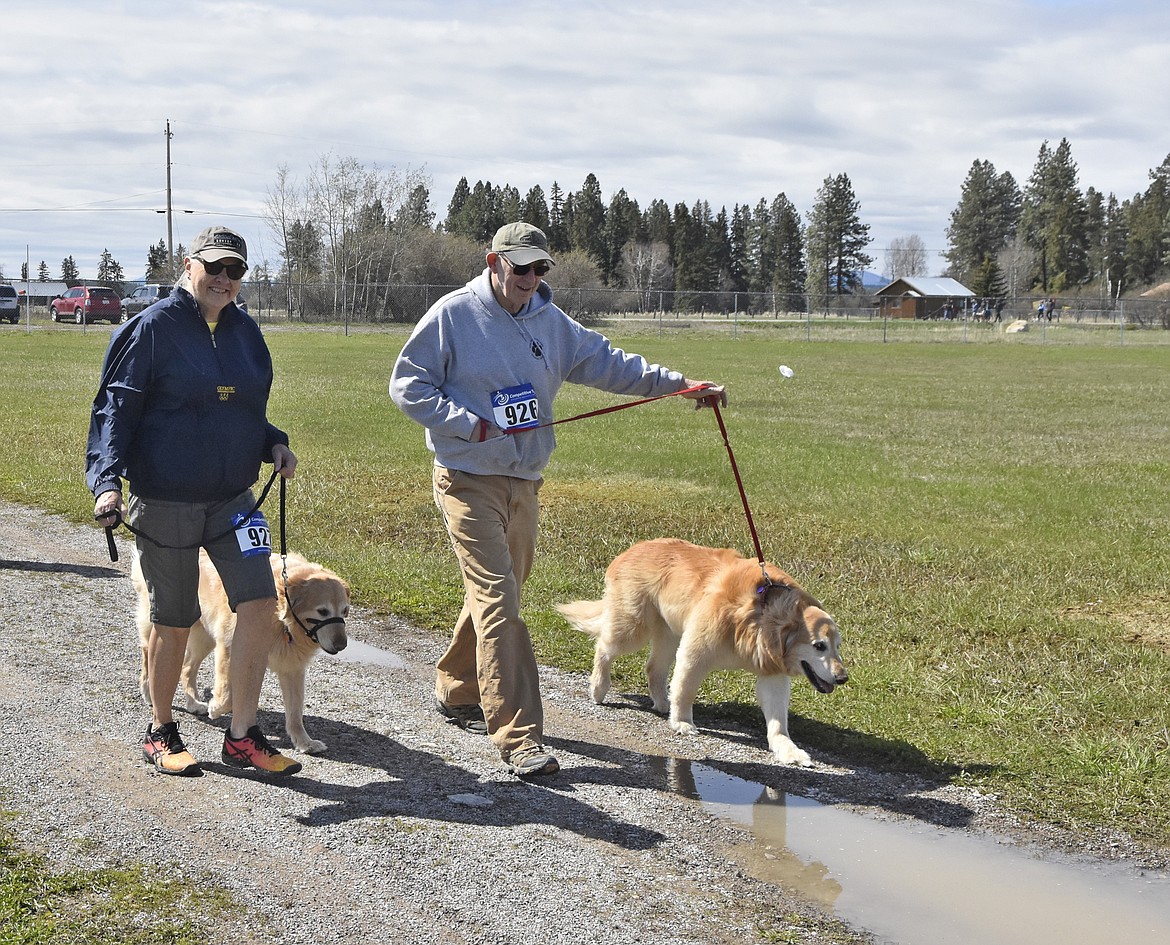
point(540, 268)
point(234, 270)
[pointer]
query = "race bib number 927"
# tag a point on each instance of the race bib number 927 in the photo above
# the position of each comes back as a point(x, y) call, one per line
point(252, 534)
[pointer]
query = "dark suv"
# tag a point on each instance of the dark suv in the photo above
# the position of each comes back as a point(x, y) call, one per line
point(143, 296)
point(9, 303)
point(86, 303)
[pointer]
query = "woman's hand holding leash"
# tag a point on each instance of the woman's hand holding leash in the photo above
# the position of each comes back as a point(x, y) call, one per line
point(107, 510)
point(284, 460)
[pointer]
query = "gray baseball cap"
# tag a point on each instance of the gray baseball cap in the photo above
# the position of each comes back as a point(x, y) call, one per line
point(218, 242)
point(522, 243)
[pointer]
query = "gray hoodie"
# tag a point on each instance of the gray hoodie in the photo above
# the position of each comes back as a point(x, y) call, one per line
point(468, 351)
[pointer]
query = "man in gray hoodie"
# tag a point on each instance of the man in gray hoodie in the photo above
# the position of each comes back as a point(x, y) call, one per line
point(479, 373)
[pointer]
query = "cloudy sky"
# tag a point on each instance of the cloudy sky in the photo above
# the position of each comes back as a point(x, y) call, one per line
point(727, 102)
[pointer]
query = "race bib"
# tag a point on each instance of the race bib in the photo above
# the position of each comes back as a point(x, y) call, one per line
point(252, 534)
point(516, 408)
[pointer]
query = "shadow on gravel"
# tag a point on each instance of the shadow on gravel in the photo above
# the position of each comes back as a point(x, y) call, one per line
point(900, 771)
point(418, 784)
point(60, 567)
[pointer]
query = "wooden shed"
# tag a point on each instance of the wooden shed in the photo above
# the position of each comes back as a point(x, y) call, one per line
point(922, 297)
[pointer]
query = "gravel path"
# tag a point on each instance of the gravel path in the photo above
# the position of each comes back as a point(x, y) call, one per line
point(407, 829)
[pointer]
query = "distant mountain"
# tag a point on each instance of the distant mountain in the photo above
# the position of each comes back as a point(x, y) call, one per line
point(873, 280)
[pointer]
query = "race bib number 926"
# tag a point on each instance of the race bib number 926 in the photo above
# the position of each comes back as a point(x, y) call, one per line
point(516, 408)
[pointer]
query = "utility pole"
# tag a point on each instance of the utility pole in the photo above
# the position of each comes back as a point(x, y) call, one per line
point(170, 230)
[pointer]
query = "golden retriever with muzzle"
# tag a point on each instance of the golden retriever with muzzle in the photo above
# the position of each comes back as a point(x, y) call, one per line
point(704, 609)
point(311, 618)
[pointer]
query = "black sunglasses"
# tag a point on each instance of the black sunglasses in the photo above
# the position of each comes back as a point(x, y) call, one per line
point(234, 270)
point(540, 268)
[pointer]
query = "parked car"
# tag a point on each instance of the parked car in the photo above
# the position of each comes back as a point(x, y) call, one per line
point(86, 303)
point(9, 303)
point(143, 296)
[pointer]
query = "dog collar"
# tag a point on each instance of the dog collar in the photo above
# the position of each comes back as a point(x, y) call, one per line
point(767, 584)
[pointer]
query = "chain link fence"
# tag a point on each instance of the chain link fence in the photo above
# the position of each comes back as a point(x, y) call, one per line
point(374, 304)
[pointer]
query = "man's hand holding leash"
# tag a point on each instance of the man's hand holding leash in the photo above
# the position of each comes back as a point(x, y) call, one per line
point(706, 394)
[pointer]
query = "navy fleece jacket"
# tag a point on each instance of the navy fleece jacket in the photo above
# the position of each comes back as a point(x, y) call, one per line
point(181, 412)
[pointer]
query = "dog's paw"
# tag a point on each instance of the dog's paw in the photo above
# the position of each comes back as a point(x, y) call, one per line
point(680, 727)
point(195, 707)
point(789, 754)
point(311, 747)
point(598, 691)
point(215, 708)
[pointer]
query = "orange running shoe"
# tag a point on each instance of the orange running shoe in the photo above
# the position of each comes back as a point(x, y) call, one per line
point(253, 751)
point(163, 748)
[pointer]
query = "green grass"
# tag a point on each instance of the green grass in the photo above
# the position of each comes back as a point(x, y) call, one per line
point(39, 905)
point(988, 523)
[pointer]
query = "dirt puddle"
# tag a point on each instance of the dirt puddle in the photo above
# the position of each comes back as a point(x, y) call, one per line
point(916, 884)
point(358, 652)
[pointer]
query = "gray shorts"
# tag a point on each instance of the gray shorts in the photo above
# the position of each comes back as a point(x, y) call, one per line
point(172, 574)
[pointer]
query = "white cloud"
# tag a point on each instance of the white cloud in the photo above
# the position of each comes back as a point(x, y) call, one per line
point(671, 99)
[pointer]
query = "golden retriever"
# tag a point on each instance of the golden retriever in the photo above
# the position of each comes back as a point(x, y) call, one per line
point(317, 603)
point(704, 609)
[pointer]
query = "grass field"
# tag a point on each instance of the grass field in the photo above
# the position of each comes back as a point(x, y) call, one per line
point(988, 523)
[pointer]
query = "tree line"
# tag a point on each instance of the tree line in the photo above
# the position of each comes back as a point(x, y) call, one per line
point(1049, 236)
point(360, 230)
point(348, 236)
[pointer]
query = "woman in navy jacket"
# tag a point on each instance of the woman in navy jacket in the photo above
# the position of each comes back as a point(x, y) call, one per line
point(181, 415)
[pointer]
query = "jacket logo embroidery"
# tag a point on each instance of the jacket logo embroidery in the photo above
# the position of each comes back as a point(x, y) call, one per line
point(225, 392)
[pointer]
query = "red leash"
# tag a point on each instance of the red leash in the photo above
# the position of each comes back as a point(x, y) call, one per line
point(726, 442)
point(742, 494)
point(611, 409)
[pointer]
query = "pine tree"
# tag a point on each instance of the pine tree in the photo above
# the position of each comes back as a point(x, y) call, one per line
point(158, 263)
point(453, 223)
point(836, 240)
point(739, 234)
point(43, 272)
point(110, 271)
point(988, 281)
point(759, 248)
point(69, 272)
point(1149, 228)
point(623, 225)
point(789, 267)
point(558, 236)
point(1053, 219)
point(985, 221)
point(416, 210)
point(659, 224)
point(534, 209)
point(587, 226)
point(719, 251)
point(507, 206)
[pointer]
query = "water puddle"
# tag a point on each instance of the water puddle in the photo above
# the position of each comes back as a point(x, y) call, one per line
point(358, 652)
point(911, 883)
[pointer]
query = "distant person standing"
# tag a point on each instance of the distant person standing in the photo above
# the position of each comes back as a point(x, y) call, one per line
point(181, 414)
point(479, 373)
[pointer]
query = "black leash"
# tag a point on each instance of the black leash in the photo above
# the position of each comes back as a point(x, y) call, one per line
point(113, 548)
point(317, 625)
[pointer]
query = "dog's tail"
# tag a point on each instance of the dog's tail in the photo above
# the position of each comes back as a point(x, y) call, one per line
point(583, 615)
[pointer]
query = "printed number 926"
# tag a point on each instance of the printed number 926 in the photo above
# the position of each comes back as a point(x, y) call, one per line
point(521, 413)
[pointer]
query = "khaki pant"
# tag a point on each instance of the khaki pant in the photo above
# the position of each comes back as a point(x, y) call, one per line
point(492, 522)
